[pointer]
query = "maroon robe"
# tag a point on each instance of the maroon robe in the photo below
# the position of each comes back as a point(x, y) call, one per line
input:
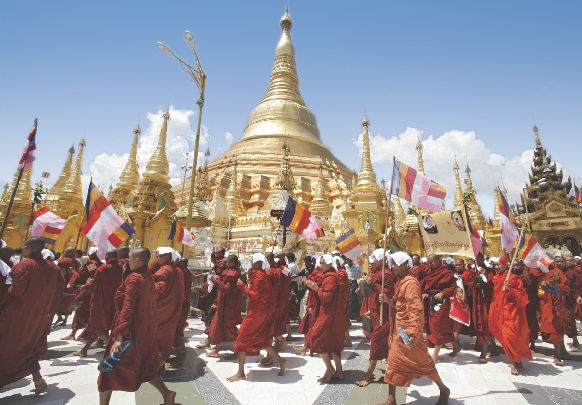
point(569, 310)
point(136, 321)
point(551, 324)
point(304, 324)
point(69, 267)
point(481, 301)
point(439, 329)
point(104, 284)
point(223, 326)
point(183, 321)
point(82, 313)
point(23, 322)
point(282, 304)
point(419, 272)
point(379, 335)
point(327, 335)
point(169, 304)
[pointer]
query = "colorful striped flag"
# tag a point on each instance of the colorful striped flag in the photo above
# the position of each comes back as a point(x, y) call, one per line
point(531, 252)
point(296, 216)
point(575, 196)
point(314, 230)
point(349, 245)
point(46, 224)
point(103, 227)
point(28, 154)
point(417, 188)
point(180, 234)
point(45, 175)
point(507, 224)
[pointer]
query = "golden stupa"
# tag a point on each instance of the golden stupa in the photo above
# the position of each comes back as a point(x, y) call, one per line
point(19, 218)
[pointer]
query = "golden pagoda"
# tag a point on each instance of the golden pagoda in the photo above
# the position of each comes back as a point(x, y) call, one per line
point(153, 203)
point(320, 205)
point(19, 219)
point(232, 197)
point(54, 193)
point(121, 197)
point(477, 218)
point(458, 189)
point(493, 237)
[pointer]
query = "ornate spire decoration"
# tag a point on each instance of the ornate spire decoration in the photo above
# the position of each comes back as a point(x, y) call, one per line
point(5, 192)
point(320, 205)
point(419, 149)
point(399, 214)
point(57, 188)
point(458, 189)
point(24, 191)
point(158, 167)
point(233, 196)
point(73, 187)
point(366, 175)
point(496, 210)
point(538, 140)
point(285, 179)
point(475, 213)
point(129, 177)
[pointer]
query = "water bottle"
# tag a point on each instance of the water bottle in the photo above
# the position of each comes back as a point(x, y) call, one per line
point(404, 335)
point(112, 361)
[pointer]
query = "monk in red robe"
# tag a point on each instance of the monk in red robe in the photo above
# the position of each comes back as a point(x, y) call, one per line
point(379, 336)
point(408, 359)
point(123, 259)
point(344, 297)
point(531, 280)
point(104, 285)
point(207, 298)
point(327, 333)
point(69, 266)
point(24, 320)
point(418, 269)
point(282, 305)
point(309, 317)
point(255, 332)
point(467, 277)
point(83, 310)
point(507, 319)
point(569, 311)
point(552, 306)
point(179, 339)
point(438, 287)
point(169, 302)
point(136, 321)
point(224, 324)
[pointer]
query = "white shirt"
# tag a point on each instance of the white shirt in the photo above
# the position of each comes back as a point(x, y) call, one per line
point(354, 271)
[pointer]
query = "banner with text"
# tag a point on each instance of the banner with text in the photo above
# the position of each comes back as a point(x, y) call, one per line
point(446, 233)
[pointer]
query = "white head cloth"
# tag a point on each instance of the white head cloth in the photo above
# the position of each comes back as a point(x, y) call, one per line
point(377, 255)
point(333, 252)
point(46, 254)
point(259, 257)
point(164, 250)
point(92, 250)
point(448, 260)
point(277, 250)
point(226, 254)
point(327, 258)
point(338, 262)
point(4, 268)
point(423, 260)
point(316, 257)
point(400, 257)
point(576, 257)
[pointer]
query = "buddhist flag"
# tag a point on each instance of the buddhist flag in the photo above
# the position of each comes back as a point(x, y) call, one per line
point(296, 216)
point(531, 252)
point(180, 234)
point(507, 224)
point(28, 154)
point(575, 196)
point(349, 245)
point(103, 227)
point(314, 230)
point(416, 188)
point(46, 224)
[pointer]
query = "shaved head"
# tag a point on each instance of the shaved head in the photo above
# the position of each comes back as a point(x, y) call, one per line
point(36, 245)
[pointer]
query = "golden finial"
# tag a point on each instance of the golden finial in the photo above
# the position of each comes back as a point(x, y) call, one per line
point(458, 189)
point(73, 185)
point(419, 149)
point(129, 177)
point(57, 188)
point(158, 166)
point(399, 214)
point(496, 210)
point(320, 205)
point(366, 175)
point(538, 141)
point(24, 191)
point(232, 195)
point(285, 179)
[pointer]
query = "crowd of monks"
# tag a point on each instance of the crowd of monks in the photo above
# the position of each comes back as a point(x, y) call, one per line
point(409, 304)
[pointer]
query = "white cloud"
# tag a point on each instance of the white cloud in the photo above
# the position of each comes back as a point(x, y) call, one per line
point(228, 139)
point(486, 166)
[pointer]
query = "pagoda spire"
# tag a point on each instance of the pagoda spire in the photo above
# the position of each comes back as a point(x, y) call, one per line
point(57, 188)
point(475, 213)
point(158, 167)
point(24, 191)
point(129, 177)
point(366, 175)
point(73, 185)
point(399, 214)
point(320, 205)
point(419, 149)
point(496, 210)
point(285, 179)
point(458, 189)
point(233, 196)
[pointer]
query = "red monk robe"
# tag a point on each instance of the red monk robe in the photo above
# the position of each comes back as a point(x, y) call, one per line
point(86, 272)
point(481, 296)
point(69, 267)
point(569, 309)
point(405, 364)
point(223, 326)
point(440, 326)
point(551, 325)
point(274, 275)
point(420, 271)
point(532, 310)
point(206, 299)
point(188, 279)
point(313, 304)
point(60, 287)
point(467, 276)
point(255, 333)
point(344, 296)
point(282, 304)
point(327, 334)
point(507, 318)
point(169, 307)
point(379, 335)
point(104, 285)
point(23, 322)
point(305, 322)
point(136, 321)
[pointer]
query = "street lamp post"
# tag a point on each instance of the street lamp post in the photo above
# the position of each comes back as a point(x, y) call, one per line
point(198, 76)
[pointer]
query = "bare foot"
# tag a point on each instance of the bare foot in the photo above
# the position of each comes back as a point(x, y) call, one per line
point(482, 360)
point(513, 369)
point(301, 350)
point(327, 376)
point(435, 359)
point(283, 365)
point(232, 356)
point(454, 352)
point(40, 386)
point(70, 336)
point(203, 345)
point(384, 361)
point(574, 348)
point(339, 375)
point(368, 379)
point(80, 354)
point(444, 397)
point(170, 398)
point(558, 362)
point(98, 344)
point(388, 402)
point(236, 377)
point(212, 353)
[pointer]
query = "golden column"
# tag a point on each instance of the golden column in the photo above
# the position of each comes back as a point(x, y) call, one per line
point(419, 148)
point(458, 189)
point(320, 205)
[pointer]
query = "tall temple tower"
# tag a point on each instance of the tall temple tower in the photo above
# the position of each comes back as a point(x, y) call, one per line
point(458, 189)
point(55, 191)
point(121, 196)
point(19, 219)
point(475, 213)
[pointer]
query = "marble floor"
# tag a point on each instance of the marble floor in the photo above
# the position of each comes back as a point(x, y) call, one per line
point(202, 380)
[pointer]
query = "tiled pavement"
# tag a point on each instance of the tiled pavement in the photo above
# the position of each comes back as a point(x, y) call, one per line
point(202, 380)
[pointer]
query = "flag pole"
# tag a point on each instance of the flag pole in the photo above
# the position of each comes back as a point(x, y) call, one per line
point(386, 237)
point(9, 207)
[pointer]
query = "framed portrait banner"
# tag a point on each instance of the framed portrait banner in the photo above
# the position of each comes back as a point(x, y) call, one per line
point(446, 233)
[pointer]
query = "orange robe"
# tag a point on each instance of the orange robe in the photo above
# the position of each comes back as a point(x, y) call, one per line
point(439, 328)
point(405, 364)
point(103, 286)
point(30, 299)
point(136, 321)
point(507, 317)
point(551, 326)
point(169, 307)
point(255, 331)
point(379, 335)
point(223, 326)
point(327, 333)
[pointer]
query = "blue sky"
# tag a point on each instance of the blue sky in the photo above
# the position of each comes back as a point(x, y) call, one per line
point(92, 69)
